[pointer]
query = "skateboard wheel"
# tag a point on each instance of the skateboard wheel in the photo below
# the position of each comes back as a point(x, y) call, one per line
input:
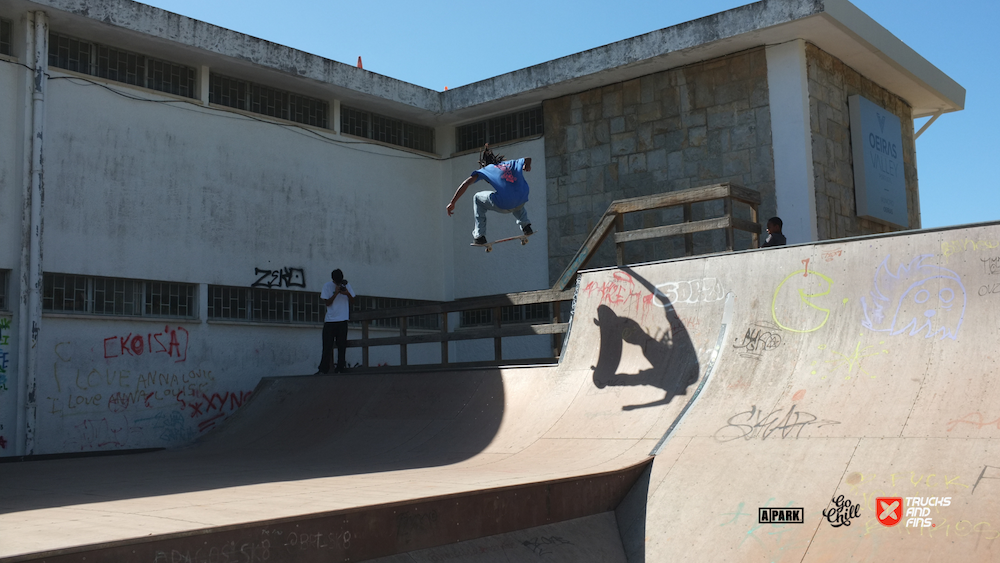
point(523, 242)
point(489, 249)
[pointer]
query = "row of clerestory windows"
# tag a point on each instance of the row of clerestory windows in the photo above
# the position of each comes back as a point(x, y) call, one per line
point(120, 65)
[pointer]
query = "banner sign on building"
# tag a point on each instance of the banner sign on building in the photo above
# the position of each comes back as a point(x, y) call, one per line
point(879, 180)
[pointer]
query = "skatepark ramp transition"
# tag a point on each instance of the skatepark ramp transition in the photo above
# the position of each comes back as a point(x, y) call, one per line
point(822, 402)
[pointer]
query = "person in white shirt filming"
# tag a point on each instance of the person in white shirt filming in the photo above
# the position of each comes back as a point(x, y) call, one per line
point(337, 295)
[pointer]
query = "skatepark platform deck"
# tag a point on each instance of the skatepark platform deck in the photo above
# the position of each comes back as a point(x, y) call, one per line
point(854, 380)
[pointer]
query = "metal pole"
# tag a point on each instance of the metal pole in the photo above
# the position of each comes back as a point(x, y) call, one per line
point(30, 308)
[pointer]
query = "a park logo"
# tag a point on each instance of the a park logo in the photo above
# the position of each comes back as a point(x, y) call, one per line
point(787, 515)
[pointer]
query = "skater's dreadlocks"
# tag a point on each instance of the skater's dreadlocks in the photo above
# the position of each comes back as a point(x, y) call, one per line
point(487, 157)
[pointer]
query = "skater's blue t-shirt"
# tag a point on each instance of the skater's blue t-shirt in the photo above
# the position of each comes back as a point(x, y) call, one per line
point(507, 178)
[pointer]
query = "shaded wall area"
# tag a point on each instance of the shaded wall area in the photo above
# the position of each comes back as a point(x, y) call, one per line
point(683, 128)
point(831, 82)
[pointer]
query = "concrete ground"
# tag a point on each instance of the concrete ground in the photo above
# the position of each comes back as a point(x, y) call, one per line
point(821, 377)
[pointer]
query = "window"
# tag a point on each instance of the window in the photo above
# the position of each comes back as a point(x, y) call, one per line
point(120, 65)
point(538, 312)
point(250, 96)
point(4, 278)
point(5, 37)
point(499, 129)
point(369, 125)
point(264, 305)
point(68, 293)
point(367, 303)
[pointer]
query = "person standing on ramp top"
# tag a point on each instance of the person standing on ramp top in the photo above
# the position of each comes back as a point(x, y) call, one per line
point(774, 234)
point(510, 195)
point(337, 295)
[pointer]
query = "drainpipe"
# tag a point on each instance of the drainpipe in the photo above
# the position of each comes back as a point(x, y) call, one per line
point(31, 280)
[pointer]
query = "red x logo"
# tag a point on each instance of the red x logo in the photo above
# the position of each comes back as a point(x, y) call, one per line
point(889, 510)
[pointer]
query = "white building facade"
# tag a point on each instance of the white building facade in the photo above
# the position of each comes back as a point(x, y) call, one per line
point(173, 196)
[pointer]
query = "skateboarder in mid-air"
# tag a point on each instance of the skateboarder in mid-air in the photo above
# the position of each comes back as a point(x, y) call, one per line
point(510, 195)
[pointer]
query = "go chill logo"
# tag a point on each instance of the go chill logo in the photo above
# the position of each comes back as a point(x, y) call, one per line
point(916, 510)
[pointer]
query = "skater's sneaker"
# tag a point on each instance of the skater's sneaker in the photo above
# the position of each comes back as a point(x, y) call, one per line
point(527, 230)
point(479, 241)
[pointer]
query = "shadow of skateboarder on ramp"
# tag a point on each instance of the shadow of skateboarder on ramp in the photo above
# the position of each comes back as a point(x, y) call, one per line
point(671, 355)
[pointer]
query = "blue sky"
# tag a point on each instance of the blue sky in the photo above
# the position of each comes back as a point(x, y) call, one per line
point(448, 43)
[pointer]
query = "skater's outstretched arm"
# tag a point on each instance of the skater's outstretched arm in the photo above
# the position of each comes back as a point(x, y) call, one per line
point(527, 165)
point(461, 190)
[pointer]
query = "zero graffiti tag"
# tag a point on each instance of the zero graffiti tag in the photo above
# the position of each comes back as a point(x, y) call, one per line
point(285, 277)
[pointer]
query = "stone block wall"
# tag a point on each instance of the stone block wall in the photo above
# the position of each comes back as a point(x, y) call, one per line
point(673, 130)
point(831, 82)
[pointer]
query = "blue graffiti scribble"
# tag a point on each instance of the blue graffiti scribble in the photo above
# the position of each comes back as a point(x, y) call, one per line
point(4, 364)
point(918, 298)
point(171, 425)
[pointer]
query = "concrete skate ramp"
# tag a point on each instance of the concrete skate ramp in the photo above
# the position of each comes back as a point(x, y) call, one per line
point(781, 378)
point(332, 468)
point(848, 371)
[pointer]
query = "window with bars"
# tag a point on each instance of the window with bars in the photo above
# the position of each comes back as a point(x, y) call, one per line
point(257, 98)
point(364, 303)
point(120, 65)
point(69, 293)
point(508, 127)
point(6, 41)
point(264, 305)
point(370, 125)
point(538, 312)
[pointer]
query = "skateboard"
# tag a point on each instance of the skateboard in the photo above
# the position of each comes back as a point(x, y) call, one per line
point(489, 245)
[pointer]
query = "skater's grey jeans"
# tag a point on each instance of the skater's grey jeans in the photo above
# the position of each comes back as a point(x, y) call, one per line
point(483, 202)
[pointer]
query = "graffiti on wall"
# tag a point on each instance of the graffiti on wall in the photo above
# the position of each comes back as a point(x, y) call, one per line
point(991, 265)
point(779, 423)
point(667, 348)
point(917, 299)
point(759, 338)
point(798, 301)
point(622, 293)
point(4, 352)
point(705, 290)
point(285, 277)
point(111, 402)
point(952, 247)
point(171, 341)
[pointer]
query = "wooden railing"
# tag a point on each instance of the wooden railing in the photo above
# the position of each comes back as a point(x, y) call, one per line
point(497, 332)
point(614, 217)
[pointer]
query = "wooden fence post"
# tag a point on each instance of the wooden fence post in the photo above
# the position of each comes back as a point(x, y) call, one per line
point(688, 238)
point(364, 347)
point(402, 347)
point(444, 338)
point(730, 234)
point(620, 246)
point(497, 341)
